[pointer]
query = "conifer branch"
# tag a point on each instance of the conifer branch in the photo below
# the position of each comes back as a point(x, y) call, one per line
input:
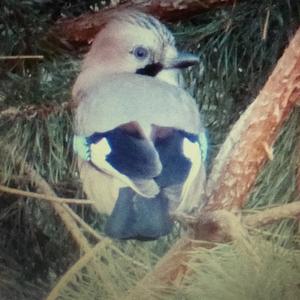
point(272, 215)
point(244, 153)
point(87, 257)
point(84, 225)
point(60, 200)
point(83, 29)
point(239, 161)
point(17, 57)
point(60, 209)
point(31, 111)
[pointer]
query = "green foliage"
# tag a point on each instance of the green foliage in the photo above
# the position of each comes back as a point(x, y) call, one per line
point(45, 145)
point(229, 272)
point(24, 26)
point(253, 269)
point(277, 181)
point(239, 47)
point(276, 184)
point(237, 57)
point(105, 272)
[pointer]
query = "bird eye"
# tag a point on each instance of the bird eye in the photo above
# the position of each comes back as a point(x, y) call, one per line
point(140, 52)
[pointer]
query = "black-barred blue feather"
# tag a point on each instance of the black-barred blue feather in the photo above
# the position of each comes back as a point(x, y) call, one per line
point(173, 159)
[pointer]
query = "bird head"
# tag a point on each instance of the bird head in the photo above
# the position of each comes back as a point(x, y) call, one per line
point(133, 42)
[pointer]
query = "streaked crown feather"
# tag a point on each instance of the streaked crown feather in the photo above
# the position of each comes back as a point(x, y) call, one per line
point(143, 20)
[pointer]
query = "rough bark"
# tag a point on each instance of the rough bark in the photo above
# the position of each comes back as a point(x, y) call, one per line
point(81, 30)
point(239, 161)
point(298, 169)
point(249, 144)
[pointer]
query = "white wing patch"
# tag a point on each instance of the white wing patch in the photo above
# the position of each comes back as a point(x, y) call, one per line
point(191, 151)
point(99, 152)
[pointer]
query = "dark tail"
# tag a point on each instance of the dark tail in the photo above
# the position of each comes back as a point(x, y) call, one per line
point(136, 217)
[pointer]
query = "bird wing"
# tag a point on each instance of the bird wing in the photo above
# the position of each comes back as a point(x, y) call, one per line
point(99, 186)
point(180, 182)
point(182, 178)
point(135, 129)
point(121, 154)
point(123, 98)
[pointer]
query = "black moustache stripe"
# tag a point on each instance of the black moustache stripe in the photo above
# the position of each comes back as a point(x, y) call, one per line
point(150, 70)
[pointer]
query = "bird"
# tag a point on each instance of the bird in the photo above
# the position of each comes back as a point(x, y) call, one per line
point(139, 137)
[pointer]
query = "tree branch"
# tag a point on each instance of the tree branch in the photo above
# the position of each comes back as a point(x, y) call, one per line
point(249, 144)
point(229, 225)
point(60, 200)
point(82, 30)
point(32, 111)
point(238, 163)
point(85, 226)
point(20, 57)
point(271, 215)
point(60, 209)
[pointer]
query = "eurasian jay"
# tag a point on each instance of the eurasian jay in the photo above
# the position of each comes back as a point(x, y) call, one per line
point(140, 142)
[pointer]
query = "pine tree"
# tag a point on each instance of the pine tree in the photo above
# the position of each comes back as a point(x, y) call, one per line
point(41, 45)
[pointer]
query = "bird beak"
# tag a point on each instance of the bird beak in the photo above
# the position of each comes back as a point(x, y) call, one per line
point(182, 60)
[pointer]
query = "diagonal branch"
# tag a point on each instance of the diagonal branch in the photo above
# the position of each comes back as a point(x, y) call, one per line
point(250, 142)
point(60, 209)
point(238, 163)
point(60, 200)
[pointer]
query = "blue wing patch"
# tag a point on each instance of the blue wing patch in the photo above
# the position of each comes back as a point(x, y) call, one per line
point(135, 216)
point(81, 147)
point(133, 156)
point(175, 165)
point(130, 155)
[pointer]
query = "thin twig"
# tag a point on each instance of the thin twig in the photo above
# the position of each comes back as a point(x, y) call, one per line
point(60, 209)
point(239, 161)
point(39, 196)
point(9, 57)
point(83, 261)
point(271, 215)
point(86, 226)
point(11, 111)
point(266, 25)
point(31, 111)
